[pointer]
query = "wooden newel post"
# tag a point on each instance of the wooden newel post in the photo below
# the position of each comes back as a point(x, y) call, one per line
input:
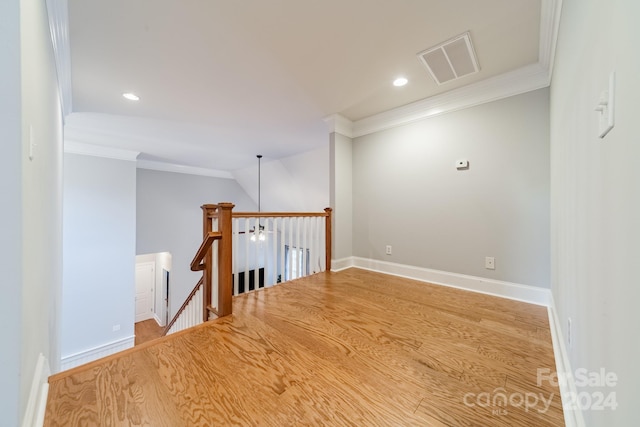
point(328, 238)
point(208, 213)
point(225, 259)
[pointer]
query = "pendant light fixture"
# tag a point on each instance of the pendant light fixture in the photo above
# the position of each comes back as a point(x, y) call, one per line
point(260, 235)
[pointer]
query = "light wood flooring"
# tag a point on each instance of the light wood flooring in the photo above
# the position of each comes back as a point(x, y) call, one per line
point(147, 330)
point(353, 348)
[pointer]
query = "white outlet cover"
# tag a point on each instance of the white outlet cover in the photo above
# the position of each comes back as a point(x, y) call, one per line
point(490, 263)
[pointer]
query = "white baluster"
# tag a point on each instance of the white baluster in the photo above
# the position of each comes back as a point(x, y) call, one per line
point(292, 223)
point(305, 244)
point(274, 253)
point(247, 245)
point(256, 264)
point(236, 240)
point(283, 238)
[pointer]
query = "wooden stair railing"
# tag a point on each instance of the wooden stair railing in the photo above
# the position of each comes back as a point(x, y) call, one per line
point(193, 293)
point(218, 226)
point(218, 216)
point(197, 264)
point(327, 214)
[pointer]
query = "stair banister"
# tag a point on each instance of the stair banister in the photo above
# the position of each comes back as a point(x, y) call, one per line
point(221, 213)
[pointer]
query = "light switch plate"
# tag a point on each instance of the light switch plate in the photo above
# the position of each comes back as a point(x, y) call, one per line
point(606, 107)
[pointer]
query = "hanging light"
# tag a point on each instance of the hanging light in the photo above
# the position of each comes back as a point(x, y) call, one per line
point(260, 235)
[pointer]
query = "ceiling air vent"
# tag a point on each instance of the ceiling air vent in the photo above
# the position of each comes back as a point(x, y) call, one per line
point(450, 60)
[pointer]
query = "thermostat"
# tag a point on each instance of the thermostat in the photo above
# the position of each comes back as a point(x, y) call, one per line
point(462, 164)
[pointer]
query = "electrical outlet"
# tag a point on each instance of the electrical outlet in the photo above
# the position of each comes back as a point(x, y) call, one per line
point(569, 331)
point(116, 328)
point(388, 250)
point(490, 263)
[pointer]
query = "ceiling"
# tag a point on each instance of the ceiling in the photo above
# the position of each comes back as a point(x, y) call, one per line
point(223, 80)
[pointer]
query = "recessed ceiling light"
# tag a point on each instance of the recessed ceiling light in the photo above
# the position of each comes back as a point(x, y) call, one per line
point(131, 96)
point(400, 81)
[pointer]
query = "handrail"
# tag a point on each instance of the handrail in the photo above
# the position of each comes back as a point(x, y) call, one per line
point(217, 225)
point(197, 264)
point(184, 305)
point(276, 214)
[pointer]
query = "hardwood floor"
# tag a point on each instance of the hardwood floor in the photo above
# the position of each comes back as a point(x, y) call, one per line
point(349, 348)
point(147, 330)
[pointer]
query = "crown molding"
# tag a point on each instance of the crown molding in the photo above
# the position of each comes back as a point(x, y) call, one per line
point(82, 148)
point(549, 26)
point(58, 13)
point(525, 79)
point(190, 170)
point(339, 124)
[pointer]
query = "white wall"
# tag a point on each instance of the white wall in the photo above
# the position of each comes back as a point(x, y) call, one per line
point(407, 192)
point(10, 215)
point(596, 198)
point(297, 183)
point(310, 172)
point(169, 219)
point(30, 218)
point(99, 252)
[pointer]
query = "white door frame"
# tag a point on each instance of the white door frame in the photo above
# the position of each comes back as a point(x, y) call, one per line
point(146, 312)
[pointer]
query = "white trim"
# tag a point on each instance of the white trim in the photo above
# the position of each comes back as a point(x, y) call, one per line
point(191, 170)
point(74, 147)
point(77, 359)
point(572, 416)
point(550, 11)
point(525, 79)
point(339, 124)
point(520, 81)
point(341, 264)
point(58, 12)
point(514, 291)
point(37, 403)
point(157, 319)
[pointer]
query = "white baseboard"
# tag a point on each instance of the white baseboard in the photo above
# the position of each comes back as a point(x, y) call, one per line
point(341, 264)
point(514, 291)
point(572, 416)
point(37, 403)
point(77, 359)
point(157, 319)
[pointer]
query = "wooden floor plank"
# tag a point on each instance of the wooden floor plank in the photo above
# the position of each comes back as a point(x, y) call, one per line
point(348, 348)
point(147, 330)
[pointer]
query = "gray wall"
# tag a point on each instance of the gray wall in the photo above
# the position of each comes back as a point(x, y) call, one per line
point(99, 252)
point(341, 184)
point(596, 199)
point(407, 192)
point(169, 219)
point(30, 218)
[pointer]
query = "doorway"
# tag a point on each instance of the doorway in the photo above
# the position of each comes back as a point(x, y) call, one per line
point(161, 293)
point(145, 284)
